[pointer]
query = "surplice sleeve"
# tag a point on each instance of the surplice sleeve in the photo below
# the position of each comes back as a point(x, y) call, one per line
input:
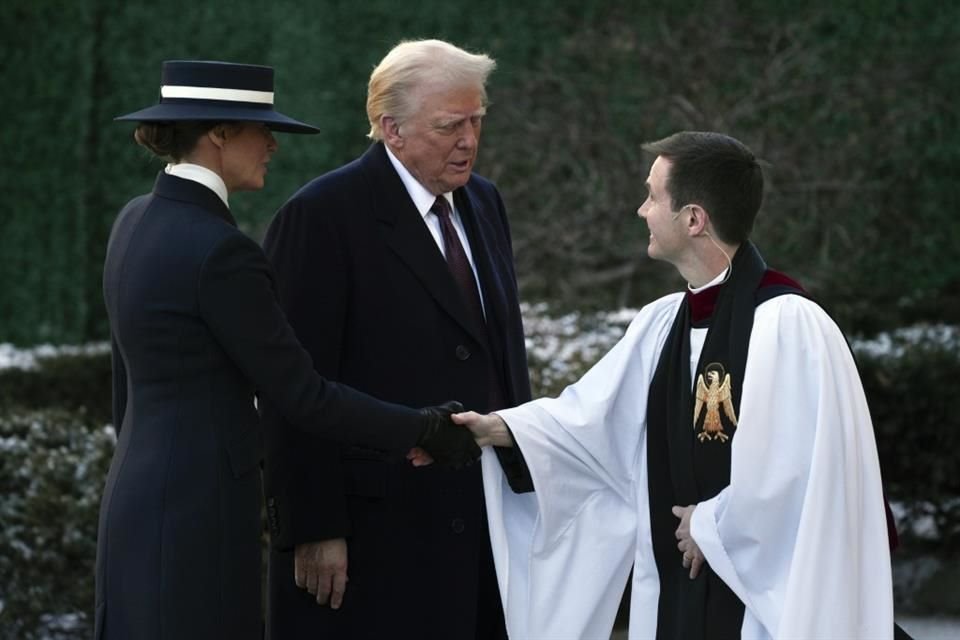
point(800, 532)
point(563, 552)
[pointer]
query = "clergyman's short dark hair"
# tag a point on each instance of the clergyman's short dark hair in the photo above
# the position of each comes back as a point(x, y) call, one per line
point(717, 172)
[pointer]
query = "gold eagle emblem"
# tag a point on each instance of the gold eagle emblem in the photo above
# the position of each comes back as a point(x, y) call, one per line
point(715, 394)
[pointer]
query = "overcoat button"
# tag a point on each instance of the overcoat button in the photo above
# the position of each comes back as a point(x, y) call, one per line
point(458, 525)
point(462, 352)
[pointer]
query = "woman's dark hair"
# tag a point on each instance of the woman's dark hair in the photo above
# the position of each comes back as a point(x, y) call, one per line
point(171, 141)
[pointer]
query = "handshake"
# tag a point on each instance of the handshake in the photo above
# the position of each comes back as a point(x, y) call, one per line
point(455, 441)
point(444, 441)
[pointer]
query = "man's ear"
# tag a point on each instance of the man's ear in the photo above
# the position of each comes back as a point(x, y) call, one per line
point(698, 221)
point(391, 132)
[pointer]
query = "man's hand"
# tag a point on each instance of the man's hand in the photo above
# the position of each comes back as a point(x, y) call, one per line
point(444, 441)
point(488, 429)
point(692, 556)
point(321, 569)
point(419, 458)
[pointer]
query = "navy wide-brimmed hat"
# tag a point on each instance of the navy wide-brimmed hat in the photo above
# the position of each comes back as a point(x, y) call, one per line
point(220, 91)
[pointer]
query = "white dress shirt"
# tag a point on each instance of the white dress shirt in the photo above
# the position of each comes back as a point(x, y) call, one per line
point(204, 176)
point(423, 200)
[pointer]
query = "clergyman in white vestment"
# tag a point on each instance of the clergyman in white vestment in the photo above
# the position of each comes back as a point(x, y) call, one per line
point(723, 449)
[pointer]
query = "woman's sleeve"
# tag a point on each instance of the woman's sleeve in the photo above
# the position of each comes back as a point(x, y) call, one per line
point(238, 302)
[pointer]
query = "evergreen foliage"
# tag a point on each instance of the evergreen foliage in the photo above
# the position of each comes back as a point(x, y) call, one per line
point(52, 470)
point(79, 384)
point(918, 429)
point(853, 106)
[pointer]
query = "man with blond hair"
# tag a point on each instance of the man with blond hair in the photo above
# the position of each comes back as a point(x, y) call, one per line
point(396, 272)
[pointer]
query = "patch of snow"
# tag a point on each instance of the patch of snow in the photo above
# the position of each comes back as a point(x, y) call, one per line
point(894, 343)
point(12, 357)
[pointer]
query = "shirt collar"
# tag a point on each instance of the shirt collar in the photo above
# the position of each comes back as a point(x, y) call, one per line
point(204, 176)
point(422, 199)
point(720, 277)
point(703, 299)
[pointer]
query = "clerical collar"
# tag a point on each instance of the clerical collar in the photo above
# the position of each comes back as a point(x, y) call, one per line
point(204, 176)
point(422, 199)
point(703, 299)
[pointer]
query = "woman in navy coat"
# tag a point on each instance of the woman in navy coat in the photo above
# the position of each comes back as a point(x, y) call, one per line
point(196, 331)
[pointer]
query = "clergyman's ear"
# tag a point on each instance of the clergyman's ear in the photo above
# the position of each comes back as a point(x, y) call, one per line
point(699, 219)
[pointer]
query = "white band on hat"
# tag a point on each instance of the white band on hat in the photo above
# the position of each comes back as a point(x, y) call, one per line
point(216, 93)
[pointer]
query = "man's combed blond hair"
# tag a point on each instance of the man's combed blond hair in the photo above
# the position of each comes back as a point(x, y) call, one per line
point(411, 64)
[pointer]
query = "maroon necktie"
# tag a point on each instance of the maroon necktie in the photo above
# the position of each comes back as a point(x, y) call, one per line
point(457, 262)
point(463, 275)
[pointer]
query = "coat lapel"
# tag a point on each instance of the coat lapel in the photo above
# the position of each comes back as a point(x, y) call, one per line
point(485, 252)
point(175, 188)
point(408, 237)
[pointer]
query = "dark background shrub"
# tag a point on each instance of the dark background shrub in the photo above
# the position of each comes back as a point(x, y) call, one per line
point(912, 392)
point(852, 104)
point(78, 384)
point(52, 470)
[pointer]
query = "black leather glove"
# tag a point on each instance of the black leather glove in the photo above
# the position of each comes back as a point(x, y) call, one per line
point(451, 445)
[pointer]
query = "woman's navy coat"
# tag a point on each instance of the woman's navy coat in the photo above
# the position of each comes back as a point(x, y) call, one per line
point(196, 331)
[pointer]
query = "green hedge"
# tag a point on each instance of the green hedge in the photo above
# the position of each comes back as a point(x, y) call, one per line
point(52, 470)
point(50, 240)
point(912, 389)
point(853, 106)
point(79, 384)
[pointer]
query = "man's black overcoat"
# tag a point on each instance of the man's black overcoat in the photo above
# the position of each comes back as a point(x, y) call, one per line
point(370, 296)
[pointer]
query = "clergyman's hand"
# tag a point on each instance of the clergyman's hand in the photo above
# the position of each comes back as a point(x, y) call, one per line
point(692, 556)
point(488, 429)
point(449, 444)
point(321, 568)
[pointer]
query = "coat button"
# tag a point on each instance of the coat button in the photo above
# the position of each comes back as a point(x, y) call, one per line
point(462, 352)
point(457, 525)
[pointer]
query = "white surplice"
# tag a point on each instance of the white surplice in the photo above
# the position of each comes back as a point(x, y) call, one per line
point(799, 534)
